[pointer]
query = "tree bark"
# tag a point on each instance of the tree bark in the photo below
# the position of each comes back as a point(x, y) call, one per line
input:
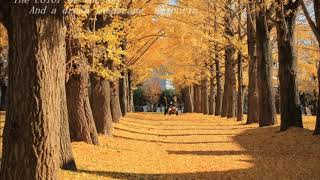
point(115, 102)
point(188, 92)
point(31, 133)
point(130, 92)
point(123, 94)
point(82, 125)
point(100, 104)
point(240, 98)
point(67, 161)
point(290, 106)
point(3, 100)
point(267, 114)
point(231, 91)
point(212, 97)
point(204, 96)
point(224, 108)
point(131, 100)
point(253, 105)
point(195, 101)
point(197, 98)
point(199, 87)
point(219, 90)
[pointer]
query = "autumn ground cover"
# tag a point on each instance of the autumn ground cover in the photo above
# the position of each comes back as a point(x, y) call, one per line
point(194, 146)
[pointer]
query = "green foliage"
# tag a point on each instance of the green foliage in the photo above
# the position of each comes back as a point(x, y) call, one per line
point(138, 98)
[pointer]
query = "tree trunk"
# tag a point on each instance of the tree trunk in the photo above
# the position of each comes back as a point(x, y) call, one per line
point(31, 133)
point(267, 114)
point(290, 107)
point(231, 91)
point(188, 91)
point(3, 100)
point(212, 97)
point(195, 107)
point(100, 104)
point(67, 161)
point(219, 90)
point(253, 105)
point(197, 98)
point(224, 108)
point(130, 92)
point(131, 100)
point(199, 87)
point(240, 90)
point(123, 94)
point(115, 102)
point(204, 96)
point(82, 126)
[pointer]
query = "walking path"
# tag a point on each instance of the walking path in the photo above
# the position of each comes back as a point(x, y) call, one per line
point(153, 146)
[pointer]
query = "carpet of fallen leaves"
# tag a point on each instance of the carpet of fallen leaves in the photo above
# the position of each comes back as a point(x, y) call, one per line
point(194, 146)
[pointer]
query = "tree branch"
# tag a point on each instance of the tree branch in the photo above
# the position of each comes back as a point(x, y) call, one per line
point(312, 24)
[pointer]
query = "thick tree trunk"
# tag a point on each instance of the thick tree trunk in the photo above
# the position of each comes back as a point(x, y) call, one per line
point(219, 88)
point(240, 98)
point(212, 97)
point(100, 104)
point(67, 161)
point(131, 100)
point(204, 96)
point(31, 133)
point(253, 105)
point(289, 97)
point(130, 92)
point(188, 93)
point(115, 102)
point(4, 97)
point(224, 108)
point(231, 91)
point(199, 87)
point(82, 126)
point(123, 94)
point(197, 98)
point(267, 114)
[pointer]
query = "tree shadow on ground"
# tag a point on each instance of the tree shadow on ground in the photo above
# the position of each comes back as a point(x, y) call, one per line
point(173, 135)
point(294, 154)
point(155, 127)
point(207, 153)
point(139, 117)
point(171, 176)
point(171, 125)
point(168, 142)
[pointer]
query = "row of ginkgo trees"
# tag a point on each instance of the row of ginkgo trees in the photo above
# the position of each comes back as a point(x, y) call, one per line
point(261, 17)
point(68, 81)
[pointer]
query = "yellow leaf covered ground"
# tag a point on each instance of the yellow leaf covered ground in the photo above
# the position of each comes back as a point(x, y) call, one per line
point(193, 146)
